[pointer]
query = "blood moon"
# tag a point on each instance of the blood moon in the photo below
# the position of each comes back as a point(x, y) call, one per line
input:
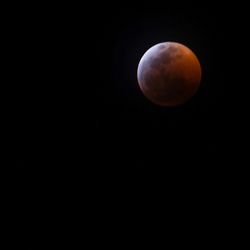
point(169, 74)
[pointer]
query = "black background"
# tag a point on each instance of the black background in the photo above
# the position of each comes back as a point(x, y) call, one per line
point(81, 129)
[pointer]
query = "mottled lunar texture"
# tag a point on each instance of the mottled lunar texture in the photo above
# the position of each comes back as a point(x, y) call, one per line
point(169, 74)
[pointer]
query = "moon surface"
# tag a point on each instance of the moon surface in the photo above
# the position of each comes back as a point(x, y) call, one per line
point(169, 74)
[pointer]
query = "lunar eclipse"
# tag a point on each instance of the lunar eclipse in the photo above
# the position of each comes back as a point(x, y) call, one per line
point(169, 74)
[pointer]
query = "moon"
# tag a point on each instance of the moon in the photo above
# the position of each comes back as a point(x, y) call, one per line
point(169, 74)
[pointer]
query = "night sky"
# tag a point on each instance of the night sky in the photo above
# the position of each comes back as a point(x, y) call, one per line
point(77, 104)
point(82, 126)
point(145, 138)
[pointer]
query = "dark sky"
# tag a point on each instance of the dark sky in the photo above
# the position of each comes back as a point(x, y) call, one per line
point(81, 123)
point(76, 92)
point(149, 137)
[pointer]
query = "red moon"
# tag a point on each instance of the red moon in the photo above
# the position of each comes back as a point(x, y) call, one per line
point(169, 74)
